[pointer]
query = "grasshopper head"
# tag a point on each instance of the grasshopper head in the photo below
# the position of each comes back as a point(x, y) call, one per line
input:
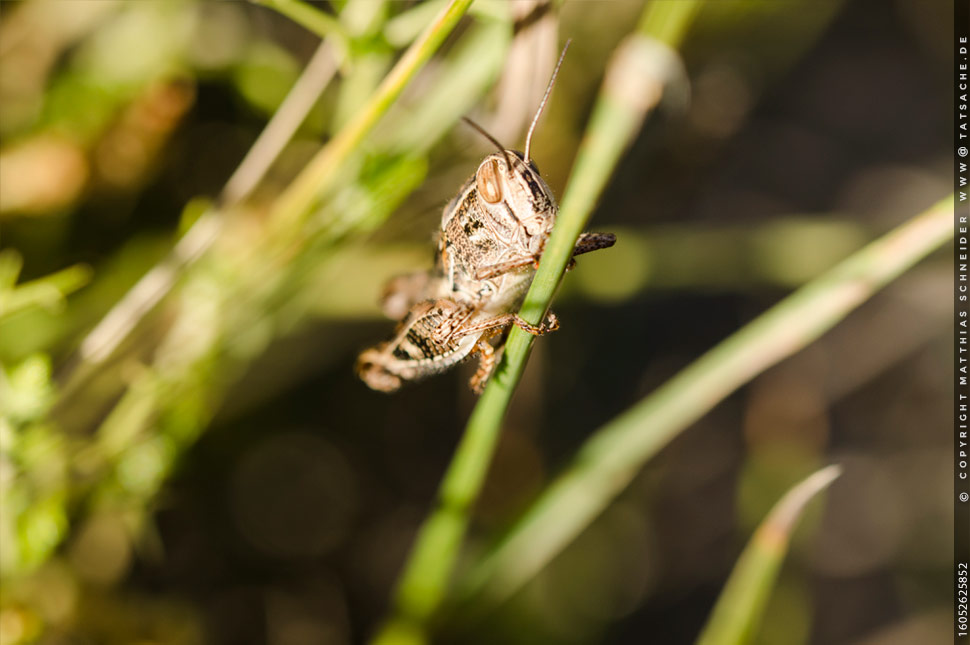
point(513, 192)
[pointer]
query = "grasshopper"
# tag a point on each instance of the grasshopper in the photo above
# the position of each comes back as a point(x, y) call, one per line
point(492, 236)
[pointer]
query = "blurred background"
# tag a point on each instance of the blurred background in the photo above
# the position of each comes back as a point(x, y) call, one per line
point(219, 475)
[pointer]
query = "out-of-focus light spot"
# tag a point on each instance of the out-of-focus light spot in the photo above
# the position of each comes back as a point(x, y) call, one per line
point(252, 340)
point(41, 175)
point(787, 408)
point(890, 193)
point(196, 330)
point(81, 107)
point(26, 391)
point(265, 76)
point(143, 41)
point(221, 32)
point(101, 553)
point(720, 101)
point(794, 251)
point(864, 521)
point(315, 614)
point(603, 576)
point(40, 529)
point(294, 495)
point(53, 590)
point(923, 627)
point(19, 625)
point(143, 466)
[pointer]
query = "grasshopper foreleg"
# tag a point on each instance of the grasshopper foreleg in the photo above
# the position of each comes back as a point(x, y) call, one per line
point(586, 243)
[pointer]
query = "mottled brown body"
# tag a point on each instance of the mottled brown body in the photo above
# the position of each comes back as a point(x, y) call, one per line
point(488, 250)
point(423, 344)
point(436, 335)
point(486, 258)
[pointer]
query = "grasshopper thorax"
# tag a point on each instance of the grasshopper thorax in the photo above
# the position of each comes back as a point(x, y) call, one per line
point(503, 214)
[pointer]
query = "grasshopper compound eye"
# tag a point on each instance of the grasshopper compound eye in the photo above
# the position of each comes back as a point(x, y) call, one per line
point(488, 182)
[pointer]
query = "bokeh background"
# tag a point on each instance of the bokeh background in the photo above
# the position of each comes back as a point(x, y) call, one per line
point(223, 477)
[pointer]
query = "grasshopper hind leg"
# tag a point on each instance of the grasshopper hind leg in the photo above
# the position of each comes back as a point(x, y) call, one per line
point(489, 355)
point(487, 358)
point(492, 326)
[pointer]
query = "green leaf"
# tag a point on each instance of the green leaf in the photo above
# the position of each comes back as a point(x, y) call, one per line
point(738, 612)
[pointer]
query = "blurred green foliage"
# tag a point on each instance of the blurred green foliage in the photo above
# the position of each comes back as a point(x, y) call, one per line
point(121, 123)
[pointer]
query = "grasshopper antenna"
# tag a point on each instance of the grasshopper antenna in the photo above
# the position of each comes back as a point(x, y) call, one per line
point(481, 130)
point(545, 97)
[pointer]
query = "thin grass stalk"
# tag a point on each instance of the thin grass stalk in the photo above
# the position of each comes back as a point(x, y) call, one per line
point(290, 115)
point(615, 453)
point(319, 22)
point(633, 86)
point(317, 177)
point(741, 605)
point(49, 291)
point(118, 323)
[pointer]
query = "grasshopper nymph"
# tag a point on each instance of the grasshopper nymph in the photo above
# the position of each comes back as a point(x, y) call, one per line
point(492, 236)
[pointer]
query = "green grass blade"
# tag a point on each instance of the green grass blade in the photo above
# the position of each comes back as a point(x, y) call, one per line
point(48, 292)
point(633, 85)
point(742, 602)
point(668, 22)
point(614, 454)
